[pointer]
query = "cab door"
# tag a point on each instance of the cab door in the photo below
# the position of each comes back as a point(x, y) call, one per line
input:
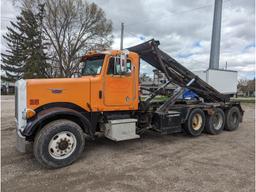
point(119, 88)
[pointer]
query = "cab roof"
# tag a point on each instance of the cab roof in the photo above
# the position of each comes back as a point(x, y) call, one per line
point(105, 52)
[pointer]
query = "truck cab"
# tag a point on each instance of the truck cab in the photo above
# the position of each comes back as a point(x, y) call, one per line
point(108, 83)
point(104, 84)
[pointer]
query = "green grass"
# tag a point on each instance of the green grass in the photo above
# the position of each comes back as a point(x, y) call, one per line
point(157, 98)
point(244, 99)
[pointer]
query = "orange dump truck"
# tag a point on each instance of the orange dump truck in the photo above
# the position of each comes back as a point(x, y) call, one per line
point(55, 114)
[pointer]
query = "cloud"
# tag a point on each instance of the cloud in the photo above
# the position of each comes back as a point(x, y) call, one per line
point(184, 29)
point(8, 13)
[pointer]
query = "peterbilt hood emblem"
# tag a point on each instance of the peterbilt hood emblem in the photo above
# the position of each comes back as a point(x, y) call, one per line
point(56, 90)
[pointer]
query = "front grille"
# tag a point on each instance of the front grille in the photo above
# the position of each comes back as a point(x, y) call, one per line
point(16, 101)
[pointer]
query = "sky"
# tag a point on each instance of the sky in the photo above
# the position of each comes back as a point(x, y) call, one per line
point(183, 27)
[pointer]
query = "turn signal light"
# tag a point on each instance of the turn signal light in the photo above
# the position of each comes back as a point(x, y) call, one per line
point(30, 113)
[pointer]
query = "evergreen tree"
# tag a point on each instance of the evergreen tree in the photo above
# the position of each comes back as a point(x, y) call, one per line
point(25, 57)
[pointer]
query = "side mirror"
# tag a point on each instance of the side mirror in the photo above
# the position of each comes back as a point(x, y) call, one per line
point(121, 63)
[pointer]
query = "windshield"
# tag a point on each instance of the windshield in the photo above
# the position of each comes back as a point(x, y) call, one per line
point(93, 65)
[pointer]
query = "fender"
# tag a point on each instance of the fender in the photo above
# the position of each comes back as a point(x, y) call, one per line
point(50, 114)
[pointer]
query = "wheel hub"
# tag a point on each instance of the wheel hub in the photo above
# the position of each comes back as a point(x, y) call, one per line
point(197, 122)
point(217, 121)
point(234, 118)
point(62, 145)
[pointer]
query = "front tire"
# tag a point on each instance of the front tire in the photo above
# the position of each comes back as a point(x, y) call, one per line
point(194, 126)
point(59, 143)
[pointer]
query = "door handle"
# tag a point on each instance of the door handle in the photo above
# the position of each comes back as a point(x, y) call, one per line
point(100, 94)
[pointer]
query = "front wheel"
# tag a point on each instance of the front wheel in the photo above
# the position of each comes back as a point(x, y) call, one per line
point(195, 122)
point(59, 143)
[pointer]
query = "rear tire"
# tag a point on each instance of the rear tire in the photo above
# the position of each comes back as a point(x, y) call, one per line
point(195, 123)
point(233, 117)
point(215, 123)
point(59, 143)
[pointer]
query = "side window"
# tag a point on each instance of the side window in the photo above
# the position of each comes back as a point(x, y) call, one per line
point(129, 66)
point(114, 68)
point(111, 67)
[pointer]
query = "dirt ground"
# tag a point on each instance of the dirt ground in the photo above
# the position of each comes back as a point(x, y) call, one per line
point(153, 163)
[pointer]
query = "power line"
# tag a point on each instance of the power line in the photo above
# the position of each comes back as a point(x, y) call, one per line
point(191, 10)
point(8, 17)
point(132, 34)
point(173, 13)
point(177, 13)
point(194, 9)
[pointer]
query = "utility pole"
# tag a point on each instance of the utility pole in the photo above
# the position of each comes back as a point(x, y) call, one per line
point(122, 36)
point(216, 35)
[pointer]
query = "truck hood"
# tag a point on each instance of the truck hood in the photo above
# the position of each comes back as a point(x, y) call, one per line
point(60, 90)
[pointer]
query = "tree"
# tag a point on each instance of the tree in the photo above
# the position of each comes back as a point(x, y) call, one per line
point(69, 29)
point(251, 85)
point(72, 28)
point(246, 86)
point(25, 57)
point(144, 77)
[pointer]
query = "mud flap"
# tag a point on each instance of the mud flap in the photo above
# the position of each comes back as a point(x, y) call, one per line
point(22, 145)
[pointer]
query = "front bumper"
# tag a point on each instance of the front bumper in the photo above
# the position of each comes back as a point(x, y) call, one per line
point(22, 145)
point(20, 107)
